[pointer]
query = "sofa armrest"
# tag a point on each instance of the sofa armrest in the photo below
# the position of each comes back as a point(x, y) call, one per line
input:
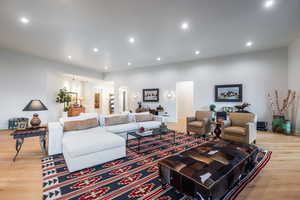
point(159, 118)
point(55, 136)
point(190, 119)
point(251, 130)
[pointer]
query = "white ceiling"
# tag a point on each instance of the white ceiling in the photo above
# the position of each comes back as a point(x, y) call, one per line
point(59, 28)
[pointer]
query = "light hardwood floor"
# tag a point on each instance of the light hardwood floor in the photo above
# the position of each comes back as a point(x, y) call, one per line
point(280, 179)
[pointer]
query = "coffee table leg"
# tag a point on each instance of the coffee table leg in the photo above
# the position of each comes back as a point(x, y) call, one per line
point(19, 143)
point(174, 137)
point(43, 143)
point(139, 141)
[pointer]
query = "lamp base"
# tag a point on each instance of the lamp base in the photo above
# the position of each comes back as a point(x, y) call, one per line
point(35, 121)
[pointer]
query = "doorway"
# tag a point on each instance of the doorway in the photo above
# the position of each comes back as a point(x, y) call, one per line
point(184, 99)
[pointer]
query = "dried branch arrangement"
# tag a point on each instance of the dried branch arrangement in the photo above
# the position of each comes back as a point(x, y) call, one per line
point(281, 110)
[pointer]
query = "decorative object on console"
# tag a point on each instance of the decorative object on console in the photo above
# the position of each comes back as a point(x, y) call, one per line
point(279, 123)
point(229, 93)
point(35, 105)
point(242, 107)
point(212, 107)
point(228, 109)
point(63, 97)
point(22, 125)
point(151, 95)
point(142, 129)
point(160, 109)
point(14, 122)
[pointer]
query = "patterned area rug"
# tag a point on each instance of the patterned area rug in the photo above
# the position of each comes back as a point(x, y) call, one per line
point(132, 177)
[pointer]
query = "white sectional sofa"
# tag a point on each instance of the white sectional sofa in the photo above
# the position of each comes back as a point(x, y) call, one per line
point(93, 146)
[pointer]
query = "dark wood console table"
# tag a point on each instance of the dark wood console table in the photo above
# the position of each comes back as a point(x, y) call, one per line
point(20, 135)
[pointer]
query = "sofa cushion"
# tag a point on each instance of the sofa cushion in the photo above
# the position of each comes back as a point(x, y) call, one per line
point(82, 116)
point(235, 130)
point(144, 118)
point(115, 120)
point(80, 124)
point(150, 124)
point(122, 128)
point(79, 143)
point(199, 124)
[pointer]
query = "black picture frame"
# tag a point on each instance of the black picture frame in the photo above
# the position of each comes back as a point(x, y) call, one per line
point(233, 88)
point(151, 95)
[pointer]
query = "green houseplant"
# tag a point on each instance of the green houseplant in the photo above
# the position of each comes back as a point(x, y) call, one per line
point(63, 98)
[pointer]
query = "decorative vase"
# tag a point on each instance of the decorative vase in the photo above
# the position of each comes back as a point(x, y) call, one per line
point(218, 130)
point(278, 124)
point(35, 121)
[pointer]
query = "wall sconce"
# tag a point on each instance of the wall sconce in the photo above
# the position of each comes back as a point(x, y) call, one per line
point(170, 95)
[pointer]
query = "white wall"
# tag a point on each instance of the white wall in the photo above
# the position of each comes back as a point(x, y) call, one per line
point(294, 83)
point(24, 77)
point(260, 72)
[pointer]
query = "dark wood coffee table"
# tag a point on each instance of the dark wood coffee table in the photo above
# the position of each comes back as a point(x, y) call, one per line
point(20, 135)
point(208, 171)
point(150, 133)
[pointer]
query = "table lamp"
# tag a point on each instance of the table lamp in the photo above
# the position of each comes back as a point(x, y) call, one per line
point(35, 105)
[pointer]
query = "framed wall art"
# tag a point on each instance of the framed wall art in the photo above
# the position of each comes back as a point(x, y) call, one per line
point(229, 93)
point(151, 95)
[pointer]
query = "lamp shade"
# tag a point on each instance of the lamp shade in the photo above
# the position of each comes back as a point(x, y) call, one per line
point(35, 105)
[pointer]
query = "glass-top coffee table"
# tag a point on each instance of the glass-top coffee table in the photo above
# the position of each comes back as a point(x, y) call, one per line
point(149, 133)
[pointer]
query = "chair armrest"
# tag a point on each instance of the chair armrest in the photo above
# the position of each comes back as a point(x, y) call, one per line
point(251, 130)
point(55, 136)
point(190, 119)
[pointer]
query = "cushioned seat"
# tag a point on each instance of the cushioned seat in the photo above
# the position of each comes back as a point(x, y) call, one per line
point(235, 130)
point(198, 124)
point(122, 128)
point(79, 143)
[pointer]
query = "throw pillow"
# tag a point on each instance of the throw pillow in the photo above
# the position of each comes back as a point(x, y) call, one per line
point(116, 120)
point(144, 118)
point(80, 124)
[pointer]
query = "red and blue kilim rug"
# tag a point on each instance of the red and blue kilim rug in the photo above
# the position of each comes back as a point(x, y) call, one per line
point(132, 177)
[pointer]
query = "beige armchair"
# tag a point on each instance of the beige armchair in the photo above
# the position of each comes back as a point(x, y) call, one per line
point(200, 124)
point(241, 127)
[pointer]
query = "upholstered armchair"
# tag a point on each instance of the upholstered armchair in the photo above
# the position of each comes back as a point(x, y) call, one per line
point(200, 124)
point(241, 127)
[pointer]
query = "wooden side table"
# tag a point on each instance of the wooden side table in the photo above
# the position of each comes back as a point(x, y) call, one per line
point(20, 135)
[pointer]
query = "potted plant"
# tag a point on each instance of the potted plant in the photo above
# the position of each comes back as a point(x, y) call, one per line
point(64, 98)
point(279, 123)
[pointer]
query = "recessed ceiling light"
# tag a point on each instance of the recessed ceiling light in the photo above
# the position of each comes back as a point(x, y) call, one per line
point(129, 63)
point(158, 59)
point(184, 26)
point(269, 3)
point(24, 20)
point(131, 40)
point(105, 67)
point(249, 44)
point(95, 50)
point(197, 52)
point(70, 57)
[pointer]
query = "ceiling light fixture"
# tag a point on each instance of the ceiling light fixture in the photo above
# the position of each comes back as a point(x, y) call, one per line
point(197, 52)
point(158, 59)
point(129, 63)
point(249, 44)
point(269, 3)
point(70, 57)
point(95, 50)
point(24, 20)
point(184, 26)
point(106, 68)
point(131, 40)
